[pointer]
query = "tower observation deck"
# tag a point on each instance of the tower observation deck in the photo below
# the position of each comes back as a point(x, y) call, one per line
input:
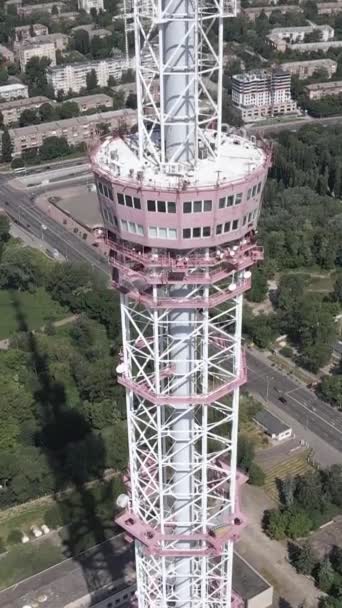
point(180, 199)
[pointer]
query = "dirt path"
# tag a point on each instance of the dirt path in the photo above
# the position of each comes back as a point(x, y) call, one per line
point(5, 344)
point(269, 557)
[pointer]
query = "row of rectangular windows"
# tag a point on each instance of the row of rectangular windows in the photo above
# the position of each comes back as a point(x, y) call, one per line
point(170, 206)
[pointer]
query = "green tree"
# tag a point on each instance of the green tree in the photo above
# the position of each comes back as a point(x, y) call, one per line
point(54, 147)
point(245, 452)
point(4, 232)
point(35, 76)
point(2, 546)
point(3, 76)
point(325, 575)
point(331, 389)
point(256, 475)
point(337, 293)
point(277, 524)
point(91, 80)
point(258, 292)
point(14, 537)
point(68, 109)
point(6, 147)
point(288, 488)
point(111, 81)
point(305, 559)
point(81, 42)
point(131, 101)
point(299, 524)
point(29, 117)
point(46, 112)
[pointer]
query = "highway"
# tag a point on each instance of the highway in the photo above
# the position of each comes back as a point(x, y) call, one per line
point(297, 401)
point(20, 208)
point(294, 125)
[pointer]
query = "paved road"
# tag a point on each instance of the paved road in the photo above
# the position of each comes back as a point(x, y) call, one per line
point(294, 125)
point(19, 206)
point(302, 404)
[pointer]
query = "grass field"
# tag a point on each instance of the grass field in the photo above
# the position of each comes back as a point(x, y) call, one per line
point(297, 464)
point(25, 560)
point(36, 307)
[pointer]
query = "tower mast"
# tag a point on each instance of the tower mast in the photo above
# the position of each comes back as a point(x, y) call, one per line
point(180, 199)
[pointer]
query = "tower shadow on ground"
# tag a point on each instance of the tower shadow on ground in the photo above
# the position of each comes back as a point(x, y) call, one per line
point(80, 507)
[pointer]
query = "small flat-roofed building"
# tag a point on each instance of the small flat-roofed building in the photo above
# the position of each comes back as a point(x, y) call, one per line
point(25, 10)
point(6, 53)
point(273, 426)
point(305, 69)
point(317, 90)
point(255, 591)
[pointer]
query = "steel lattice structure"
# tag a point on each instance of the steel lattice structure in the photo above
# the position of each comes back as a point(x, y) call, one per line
point(180, 198)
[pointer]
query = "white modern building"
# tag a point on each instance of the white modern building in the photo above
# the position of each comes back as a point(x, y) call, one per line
point(262, 93)
point(73, 77)
point(13, 91)
point(297, 34)
point(87, 5)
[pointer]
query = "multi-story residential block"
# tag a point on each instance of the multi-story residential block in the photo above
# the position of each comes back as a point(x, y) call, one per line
point(11, 110)
point(305, 47)
point(6, 53)
point(25, 10)
point(13, 91)
point(92, 31)
point(281, 37)
point(87, 5)
point(36, 49)
point(252, 12)
point(89, 102)
point(317, 90)
point(23, 32)
point(262, 93)
point(67, 17)
point(75, 130)
point(73, 77)
point(306, 69)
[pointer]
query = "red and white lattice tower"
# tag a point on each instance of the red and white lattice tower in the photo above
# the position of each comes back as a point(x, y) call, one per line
point(180, 199)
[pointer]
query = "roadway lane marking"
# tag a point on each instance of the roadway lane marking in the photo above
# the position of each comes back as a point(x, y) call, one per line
point(315, 414)
point(301, 403)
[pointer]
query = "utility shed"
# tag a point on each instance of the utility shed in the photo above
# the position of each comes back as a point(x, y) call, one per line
point(273, 426)
point(255, 591)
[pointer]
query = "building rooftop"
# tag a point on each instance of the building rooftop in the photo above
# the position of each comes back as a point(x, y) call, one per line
point(27, 101)
point(70, 122)
point(270, 423)
point(307, 29)
point(319, 86)
point(16, 86)
point(259, 74)
point(247, 582)
point(239, 157)
point(322, 62)
point(96, 98)
point(76, 64)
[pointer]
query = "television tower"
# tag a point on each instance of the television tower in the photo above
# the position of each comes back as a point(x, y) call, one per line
point(180, 199)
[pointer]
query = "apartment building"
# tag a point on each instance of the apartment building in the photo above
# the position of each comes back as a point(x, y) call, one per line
point(254, 11)
point(306, 69)
point(318, 90)
point(73, 77)
point(11, 110)
point(25, 10)
point(263, 93)
point(75, 130)
point(23, 32)
point(305, 47)
point(283, 37)
point(87, 5)
point(36, 49)
point(90, 102)
point(13, 91)
point(92, 31)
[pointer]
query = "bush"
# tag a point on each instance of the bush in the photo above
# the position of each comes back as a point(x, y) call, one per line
point(286, 351)
point(14, 537)
point(17, 163)
point(2, 546)
point(53, 517)
point(256, 475)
